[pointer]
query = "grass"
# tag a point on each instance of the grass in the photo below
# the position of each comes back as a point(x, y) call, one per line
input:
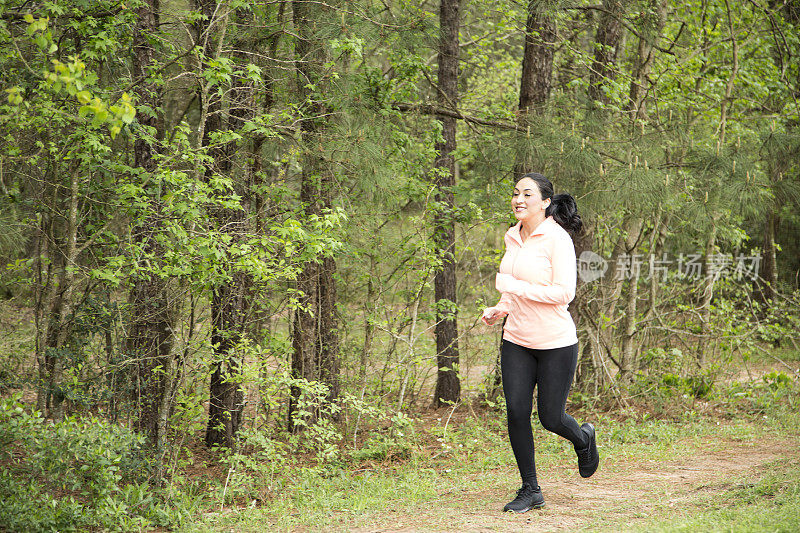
point(458, 478)
point(461, 484)
point(768, 501)
point(731, 466)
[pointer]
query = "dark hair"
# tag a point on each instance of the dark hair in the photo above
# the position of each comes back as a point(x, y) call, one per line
point(562, 207)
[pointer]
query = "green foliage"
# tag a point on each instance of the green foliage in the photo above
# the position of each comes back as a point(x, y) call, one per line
point(774, 393)
point(76, 474)
point(12, 235)
point(696, 386)
point(267, 458)
point(395, 442)
point(781, 322)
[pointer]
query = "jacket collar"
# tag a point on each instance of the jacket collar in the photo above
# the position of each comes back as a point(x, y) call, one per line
point(547, 225)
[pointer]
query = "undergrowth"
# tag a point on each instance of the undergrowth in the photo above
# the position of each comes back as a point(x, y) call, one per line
point(79, 474)
point(88, 474)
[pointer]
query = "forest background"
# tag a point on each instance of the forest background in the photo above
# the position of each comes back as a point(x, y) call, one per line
point(259, 234)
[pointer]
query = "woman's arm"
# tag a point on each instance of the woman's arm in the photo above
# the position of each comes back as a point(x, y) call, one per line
point(503, 307)
point(565, 274)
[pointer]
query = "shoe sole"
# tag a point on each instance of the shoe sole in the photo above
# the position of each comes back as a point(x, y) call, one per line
point(539, 506)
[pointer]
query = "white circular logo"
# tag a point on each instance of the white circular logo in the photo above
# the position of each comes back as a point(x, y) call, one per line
point(591, 266)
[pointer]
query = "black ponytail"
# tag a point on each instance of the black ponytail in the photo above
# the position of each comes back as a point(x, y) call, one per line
point(564, 211)
point(562, 207)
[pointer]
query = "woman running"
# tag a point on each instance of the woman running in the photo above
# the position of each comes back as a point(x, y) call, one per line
point(540, 346)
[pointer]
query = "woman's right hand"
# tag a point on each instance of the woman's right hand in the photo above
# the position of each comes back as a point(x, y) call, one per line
point(491, 315)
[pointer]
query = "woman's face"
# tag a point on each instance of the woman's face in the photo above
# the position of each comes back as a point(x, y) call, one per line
point(527, 203)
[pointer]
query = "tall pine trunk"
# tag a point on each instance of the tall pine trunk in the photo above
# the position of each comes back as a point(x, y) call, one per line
point(150, 337)
point(707, 293)
point(537, 73)
point(315, 337)
point(764, 284)
point(448, 383)
point(537, 60)
point(607, 40)
point(45, 295)
point(226, 394)
point(228, 299)
point(768, 274)
point(650, 26)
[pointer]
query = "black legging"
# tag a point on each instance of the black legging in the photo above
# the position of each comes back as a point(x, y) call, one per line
point(523, 368)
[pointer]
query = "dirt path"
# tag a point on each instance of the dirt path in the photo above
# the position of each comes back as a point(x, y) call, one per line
point(622, 491)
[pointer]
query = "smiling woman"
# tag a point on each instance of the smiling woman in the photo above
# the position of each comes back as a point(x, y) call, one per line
point(537, 280)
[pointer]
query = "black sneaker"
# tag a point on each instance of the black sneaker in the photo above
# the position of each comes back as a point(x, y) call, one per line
point(528, 497)
point(588, 458)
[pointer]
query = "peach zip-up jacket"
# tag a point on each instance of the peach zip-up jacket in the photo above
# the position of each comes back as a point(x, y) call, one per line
point(537, 280)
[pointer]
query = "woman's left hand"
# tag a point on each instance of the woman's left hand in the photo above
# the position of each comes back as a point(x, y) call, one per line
point(491, 314)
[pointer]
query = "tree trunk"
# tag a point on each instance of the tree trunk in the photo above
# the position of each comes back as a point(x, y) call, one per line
point(45, 296)
point(607, 40)
point(228, 301)
point(315, 338)
point(607, 316)
point(150, 340)
point(708, 293)
point(369, 327)
point(651, 24)
point(768, 276)
point(226, 394)
point(448, 384)
point(228, 306)
point(764, 284)
point(626, 358)
point(587, 373)
point(537, 60)
point(63, 317)
point(537, 72)
point(152, 319)
point(734, 72)
point(657, 248)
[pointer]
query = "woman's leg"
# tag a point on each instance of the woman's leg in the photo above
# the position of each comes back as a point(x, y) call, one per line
point(518, 367)
point(556, 369)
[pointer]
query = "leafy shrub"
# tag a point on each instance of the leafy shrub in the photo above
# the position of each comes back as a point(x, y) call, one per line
point(659, 361)
point(73, 475)
point(697, 386)
point(394, 442)
point(23, 507)
point(266, 457)
point(782, 322)
point(257, 467)
point(774, 393)
point(777, 380)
